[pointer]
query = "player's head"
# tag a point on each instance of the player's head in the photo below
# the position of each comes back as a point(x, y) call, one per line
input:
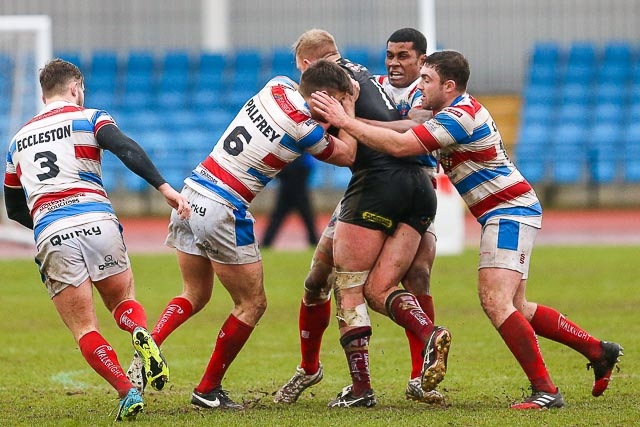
point(312, 45)
point(59, 78)
point(445, 75)
point(324, 76)
point(406, 52)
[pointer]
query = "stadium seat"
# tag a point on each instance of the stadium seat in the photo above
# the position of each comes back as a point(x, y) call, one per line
point(357, 54)
point(538, 113)
point(247, 59)
point(610, 112)
point(575, 93)
point(618, 52)
point(540, 94)
point(283, 63)
point(211, 64)
point(604, 140)
point(568, 153)
point(104, 62)
point(547, 52)
point(543, 74)
point(71, 56)
point(574, 113)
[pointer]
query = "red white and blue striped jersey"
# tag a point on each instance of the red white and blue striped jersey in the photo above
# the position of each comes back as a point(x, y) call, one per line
point(271, 130)
point(405, 98)
point(473, 157)
point(56, 159)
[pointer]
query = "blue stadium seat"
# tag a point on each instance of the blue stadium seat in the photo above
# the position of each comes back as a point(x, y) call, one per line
point(104, 62)
point(357, 54)
point(610, 91)
point(211, 64)
point(582, 52)
point(377, 64)
point(72, 56)
point(530, 153)
point(574, 113)
point(547, 52)
point(282, 62)
point(540, 93)
point(247, 59)
point(568, 153)
point(140, 61)
point(576, 93)
point(618, 52)
point(581, 63)
point(538, 113)
point(604, 140)
point(180, 120)
point(610, 112)
point(543, 74)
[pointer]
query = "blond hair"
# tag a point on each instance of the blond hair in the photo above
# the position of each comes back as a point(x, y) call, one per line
point(314, 44)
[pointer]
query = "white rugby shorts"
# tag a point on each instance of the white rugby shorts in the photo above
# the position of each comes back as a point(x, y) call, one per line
point(215, 231)
point(94, 250)
point(505, 243)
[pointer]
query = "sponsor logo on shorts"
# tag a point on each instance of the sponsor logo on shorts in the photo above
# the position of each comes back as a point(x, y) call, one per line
point(375, 218)
point(198, 210)
point(57, 239)
point(109, 262)
point(207, 247)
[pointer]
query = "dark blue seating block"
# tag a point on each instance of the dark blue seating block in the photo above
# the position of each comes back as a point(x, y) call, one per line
point(547, 52)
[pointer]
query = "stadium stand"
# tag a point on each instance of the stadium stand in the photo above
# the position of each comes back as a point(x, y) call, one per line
point(578, 121)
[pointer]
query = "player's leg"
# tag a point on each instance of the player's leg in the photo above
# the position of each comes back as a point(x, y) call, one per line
point(386, 297)
point(244, 282)
point(505, 250)
point(313, 318)
point(76, 309)
point(355, 251)
point(551, 324)
point(418, 282)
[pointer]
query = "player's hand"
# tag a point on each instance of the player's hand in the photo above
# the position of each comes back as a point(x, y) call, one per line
point(330, 108)
point(176, 200)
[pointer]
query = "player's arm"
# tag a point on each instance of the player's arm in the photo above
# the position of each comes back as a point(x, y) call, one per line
point(344, 150)
point(396, 125)
point(16, 203)
point(136, 160)
point(380, 139)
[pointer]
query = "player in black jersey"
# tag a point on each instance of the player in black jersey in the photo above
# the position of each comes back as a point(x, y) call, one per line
point(388, 205)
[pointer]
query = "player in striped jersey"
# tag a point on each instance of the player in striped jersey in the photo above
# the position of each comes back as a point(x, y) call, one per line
point(53, 185)
point(474, 159)
point(271, 130)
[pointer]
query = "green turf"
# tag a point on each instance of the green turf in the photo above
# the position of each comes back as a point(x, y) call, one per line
point(45, 381)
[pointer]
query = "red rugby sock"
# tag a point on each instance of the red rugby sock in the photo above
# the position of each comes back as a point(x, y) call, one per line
point(521, 339)
point(231, 338)
point(130, 314)
point(177, 311)
point(552, 325)
point(103, 359)
point(312, 322)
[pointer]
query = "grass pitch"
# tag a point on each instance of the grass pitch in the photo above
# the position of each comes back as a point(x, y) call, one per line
point(45, 380)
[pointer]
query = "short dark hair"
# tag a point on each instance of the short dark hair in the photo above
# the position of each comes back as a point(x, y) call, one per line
point(55, 76)
point(450, 65)
point(324, 75)
point(410, 35)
